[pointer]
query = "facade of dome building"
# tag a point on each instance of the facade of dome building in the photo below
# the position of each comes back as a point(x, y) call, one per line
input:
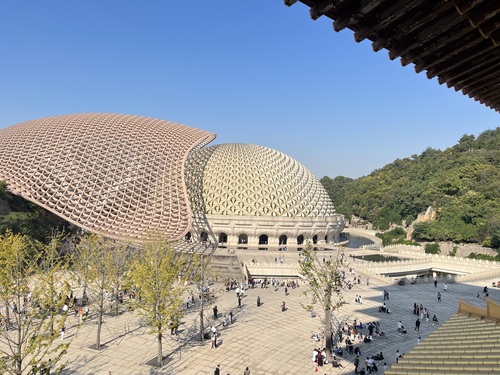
point(121, 176)
point(125, 177)
point(251, 196)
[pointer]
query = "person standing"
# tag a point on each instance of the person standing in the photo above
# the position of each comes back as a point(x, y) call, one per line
point(445, 287)
point(239, 302)
point(435, 283)
point(215, 312)
point(356, 364)
point(439, 296)
point(63, 331)
point(417, 325)
point(217, 370)
point(214, 341)
point(258, 301)
point(247, 371)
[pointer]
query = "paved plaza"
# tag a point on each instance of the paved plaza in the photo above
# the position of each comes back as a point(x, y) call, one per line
point(264, 338)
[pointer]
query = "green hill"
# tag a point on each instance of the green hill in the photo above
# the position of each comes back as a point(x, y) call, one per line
point(461, 182)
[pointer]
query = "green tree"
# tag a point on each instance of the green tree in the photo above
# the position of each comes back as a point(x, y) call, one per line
point(324, 285)
point(201, 272)
point(100, 263)
point(119, 264)
point(432, 248)
point(30, 311)
point(155, 272)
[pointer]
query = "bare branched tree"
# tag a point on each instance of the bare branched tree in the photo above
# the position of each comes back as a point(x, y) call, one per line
point(324, 286)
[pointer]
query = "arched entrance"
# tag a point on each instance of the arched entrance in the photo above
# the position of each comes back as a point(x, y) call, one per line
point(315, 239)
point(283, 239)
point(263, 239)
point(300, 240)
point(203, 236)
point(242, 239)
point(222, 238)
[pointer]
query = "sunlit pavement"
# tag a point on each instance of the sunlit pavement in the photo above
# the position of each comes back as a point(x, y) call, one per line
point(264, 338)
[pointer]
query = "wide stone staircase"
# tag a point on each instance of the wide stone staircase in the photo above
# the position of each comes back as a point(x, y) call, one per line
point(226, 266)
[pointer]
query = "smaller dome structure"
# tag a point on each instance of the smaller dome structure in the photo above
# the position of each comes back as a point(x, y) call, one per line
point(255, 195)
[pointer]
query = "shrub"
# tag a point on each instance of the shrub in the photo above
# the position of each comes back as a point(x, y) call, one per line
point(432, 248)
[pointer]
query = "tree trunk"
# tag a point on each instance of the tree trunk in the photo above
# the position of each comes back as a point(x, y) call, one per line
point(19, 345)
point(117, 302)
point(328, 334)
point(202, 328)
point(7, 316)
point(160, 351)
point(99, 326)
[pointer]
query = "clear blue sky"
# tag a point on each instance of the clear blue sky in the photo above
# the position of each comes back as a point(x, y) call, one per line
point(250, 71)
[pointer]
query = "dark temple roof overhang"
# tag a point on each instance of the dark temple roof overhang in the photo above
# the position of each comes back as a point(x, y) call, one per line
point(455, 41)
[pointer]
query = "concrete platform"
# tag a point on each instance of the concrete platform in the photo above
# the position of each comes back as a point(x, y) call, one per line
point(265, 339)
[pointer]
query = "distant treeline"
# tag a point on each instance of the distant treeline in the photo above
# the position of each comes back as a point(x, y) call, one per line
point(462, 183)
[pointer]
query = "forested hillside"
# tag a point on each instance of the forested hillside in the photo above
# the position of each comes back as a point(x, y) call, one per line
point(462, 183)
point(23, 217)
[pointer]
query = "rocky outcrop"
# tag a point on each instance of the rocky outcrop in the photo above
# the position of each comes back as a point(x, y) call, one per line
point(429, 215)
point(357, 222)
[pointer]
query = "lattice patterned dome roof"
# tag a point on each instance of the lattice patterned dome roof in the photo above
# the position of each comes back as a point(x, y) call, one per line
point(118, 175)
point(250, 180)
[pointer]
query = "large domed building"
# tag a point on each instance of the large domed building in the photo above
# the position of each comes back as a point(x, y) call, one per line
point(125, 177)
point(252, 195)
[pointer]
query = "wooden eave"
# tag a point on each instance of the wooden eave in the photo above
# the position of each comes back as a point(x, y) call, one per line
point(456, 41)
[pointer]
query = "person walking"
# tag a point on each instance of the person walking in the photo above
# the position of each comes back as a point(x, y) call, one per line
point(439, 296)
point(417, 325)
point(214, 341)
point(63, 331)
point(258, 301)
point(435, 283)
point(247, 371)
point(217, 370)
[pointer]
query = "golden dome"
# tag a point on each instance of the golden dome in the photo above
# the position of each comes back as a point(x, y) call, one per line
point(250, 180)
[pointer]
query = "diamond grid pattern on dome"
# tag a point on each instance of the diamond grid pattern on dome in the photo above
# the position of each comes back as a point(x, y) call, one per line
point(118, 175)
point(250, 180)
